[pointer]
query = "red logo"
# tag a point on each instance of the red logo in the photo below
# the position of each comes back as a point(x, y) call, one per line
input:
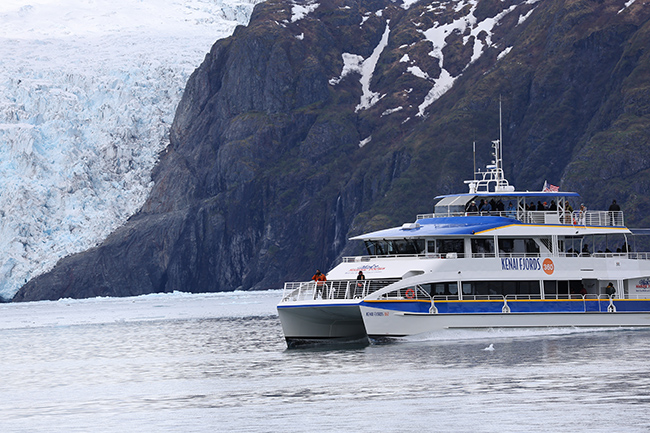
point(548, 266)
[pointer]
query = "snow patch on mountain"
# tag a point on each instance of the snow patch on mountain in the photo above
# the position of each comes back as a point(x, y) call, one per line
point(88, 90)
point(300, 11)
point(472, 29)
point(368, 97)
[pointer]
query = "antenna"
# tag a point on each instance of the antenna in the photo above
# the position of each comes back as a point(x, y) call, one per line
point(500, 130)
point(493, 179)
point(474, 151)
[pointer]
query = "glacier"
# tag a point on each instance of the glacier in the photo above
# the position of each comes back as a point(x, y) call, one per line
point(88, 91)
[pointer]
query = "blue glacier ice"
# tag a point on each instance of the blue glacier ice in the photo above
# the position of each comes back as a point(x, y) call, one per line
point(88, 92)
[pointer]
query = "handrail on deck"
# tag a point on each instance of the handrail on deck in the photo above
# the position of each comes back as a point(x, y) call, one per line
point(558, 217)
point(336, 289)
point(630, 255)
point(601, 299)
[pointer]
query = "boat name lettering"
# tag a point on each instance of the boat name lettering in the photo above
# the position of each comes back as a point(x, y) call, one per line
point(520, 264)
point(367, 268)
point(643, 283)
point(376, 313)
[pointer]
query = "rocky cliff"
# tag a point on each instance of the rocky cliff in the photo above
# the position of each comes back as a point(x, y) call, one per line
point(319, 121)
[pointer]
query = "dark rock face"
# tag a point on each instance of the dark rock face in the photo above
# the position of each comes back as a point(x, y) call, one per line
point(266, 176)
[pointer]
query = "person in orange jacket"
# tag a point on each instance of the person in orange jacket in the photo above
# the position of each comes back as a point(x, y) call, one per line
point(318, 276)
point(320, 283)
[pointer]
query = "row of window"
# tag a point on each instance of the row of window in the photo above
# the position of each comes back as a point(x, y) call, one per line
point(450, 245)
point(483, 288)
point(569, 244)
point(503, 288)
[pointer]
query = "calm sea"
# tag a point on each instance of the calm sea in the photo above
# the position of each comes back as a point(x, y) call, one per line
point(219, 363)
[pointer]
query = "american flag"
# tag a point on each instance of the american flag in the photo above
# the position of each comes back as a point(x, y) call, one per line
point(550, 188)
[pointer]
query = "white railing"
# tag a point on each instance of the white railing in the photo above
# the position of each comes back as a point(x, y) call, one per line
point(631, 255)
point(598, 218)
point(337, 289)
point(531, 297)
point(577, 218)
point(505, 308)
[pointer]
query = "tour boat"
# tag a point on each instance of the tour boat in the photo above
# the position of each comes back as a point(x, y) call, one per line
point(505, 265)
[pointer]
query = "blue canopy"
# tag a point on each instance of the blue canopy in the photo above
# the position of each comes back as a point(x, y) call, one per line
point(444, 226)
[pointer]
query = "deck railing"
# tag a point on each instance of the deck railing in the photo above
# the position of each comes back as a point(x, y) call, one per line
point(603, 302)
point(576, 218)
point(631, 255)
point(337, 289)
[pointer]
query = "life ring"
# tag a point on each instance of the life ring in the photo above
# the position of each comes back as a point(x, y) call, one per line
point(410, 293)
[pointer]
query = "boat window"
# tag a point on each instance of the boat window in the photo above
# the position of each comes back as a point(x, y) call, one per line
point(572, 245)
point(406, 246)
point(374, 248)
point(441, 289)
point(518, 246)
point(562, 288)
point(394, 247)
point(483, 246)
point(445, 246)
point(503, 288)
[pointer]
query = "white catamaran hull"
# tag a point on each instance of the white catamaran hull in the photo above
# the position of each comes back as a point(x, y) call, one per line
point(388, 323)
point(305, 322)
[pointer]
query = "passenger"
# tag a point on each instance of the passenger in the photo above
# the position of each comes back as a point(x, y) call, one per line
point(486, 207)
point(472, 207)
point(321, 288)
point(568, 216)
point(583, 291)
point(540, 206)
point(360, 278)
point(613, 208)
point(610, 289)
point(531, 206)
point(318, 276)
point(500, 206)
point(552, 206)
point(585, 250)
point(582, 215)
point(510, 213)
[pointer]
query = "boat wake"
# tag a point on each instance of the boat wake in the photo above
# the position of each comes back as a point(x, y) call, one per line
point(471, 335)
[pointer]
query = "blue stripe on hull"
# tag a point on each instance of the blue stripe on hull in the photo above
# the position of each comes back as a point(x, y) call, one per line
point(518, 306)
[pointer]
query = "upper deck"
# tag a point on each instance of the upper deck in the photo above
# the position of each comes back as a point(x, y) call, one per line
point(518, 206)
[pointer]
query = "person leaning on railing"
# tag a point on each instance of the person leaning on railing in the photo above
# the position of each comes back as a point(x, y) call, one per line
point(582, 215)
point(613, 208)
point(320, 279)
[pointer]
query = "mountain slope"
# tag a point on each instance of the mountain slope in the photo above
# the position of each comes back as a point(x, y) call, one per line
point(319, 121)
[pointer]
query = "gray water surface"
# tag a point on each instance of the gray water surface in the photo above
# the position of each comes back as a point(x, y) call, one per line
point(213, 363)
